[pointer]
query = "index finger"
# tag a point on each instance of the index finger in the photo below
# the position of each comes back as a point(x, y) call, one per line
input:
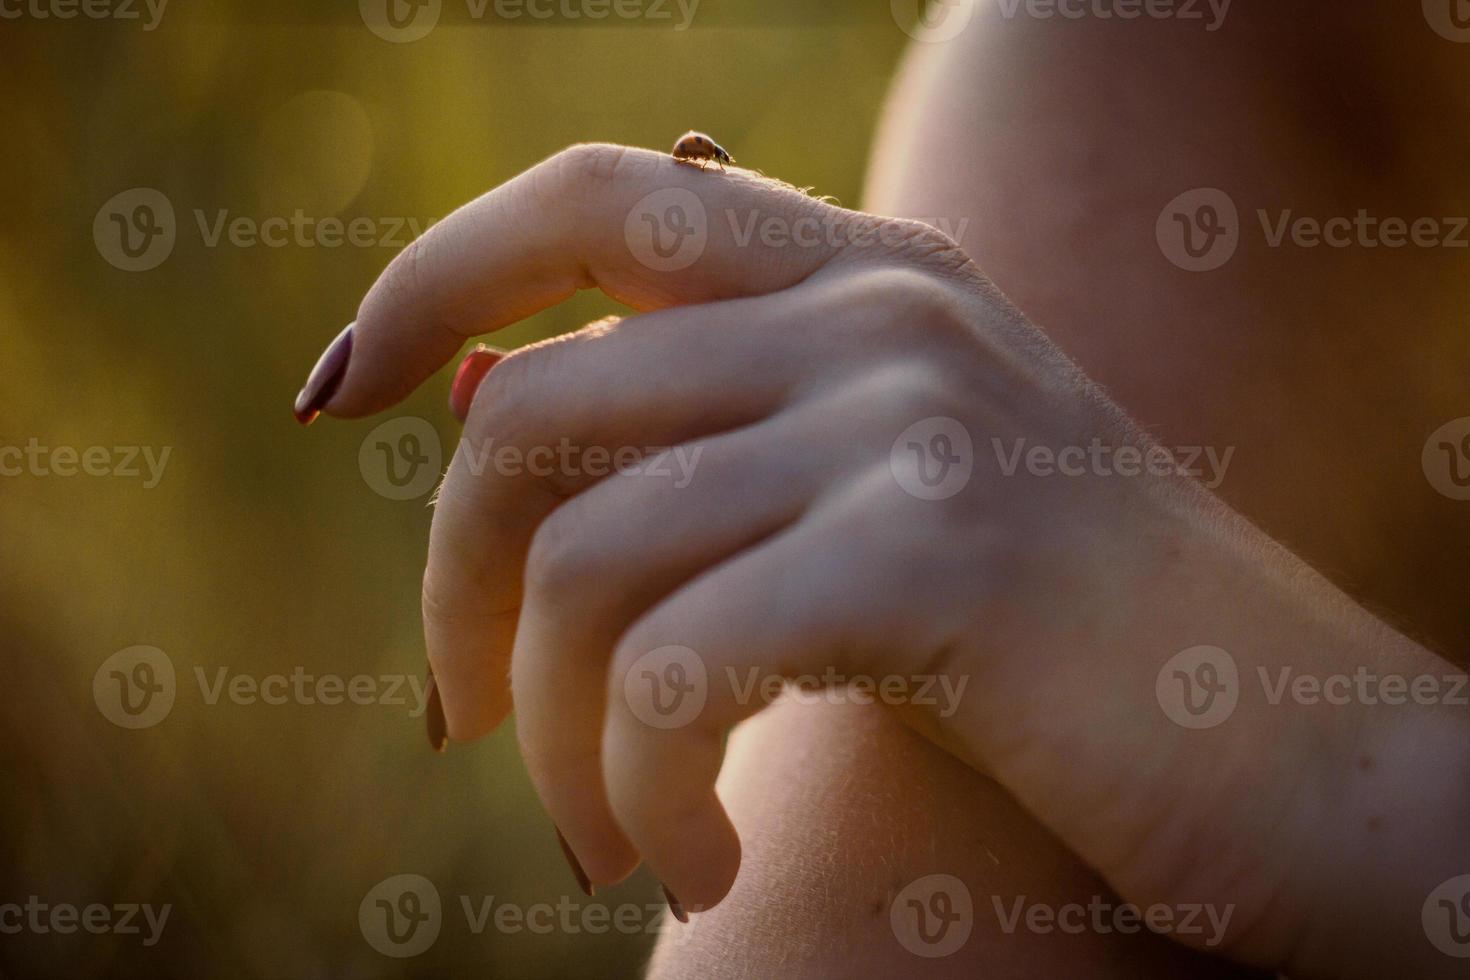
point(649, 231)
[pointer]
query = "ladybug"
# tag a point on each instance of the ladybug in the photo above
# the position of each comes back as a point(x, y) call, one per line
point(694, 146)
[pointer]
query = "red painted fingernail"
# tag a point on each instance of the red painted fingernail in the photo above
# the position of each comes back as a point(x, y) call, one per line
point(472, 371)
point(434, 716)
point(322, 383)
point(674, 904)
point(583, 882)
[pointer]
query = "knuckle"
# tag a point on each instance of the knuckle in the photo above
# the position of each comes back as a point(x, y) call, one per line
point(638, 638)
point(559, 562)
point(912, 389)
point(912, 296)
point(932, 248)
point(440, 600)
point(583, 168)
point(401, 291)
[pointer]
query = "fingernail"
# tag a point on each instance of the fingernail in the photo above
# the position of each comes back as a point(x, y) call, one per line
point(472, 371)
point(583, 882)
point(674, 904)
point(322, 383)
point(434, 716)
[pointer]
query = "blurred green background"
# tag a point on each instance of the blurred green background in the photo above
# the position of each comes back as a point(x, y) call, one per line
point(263, 548)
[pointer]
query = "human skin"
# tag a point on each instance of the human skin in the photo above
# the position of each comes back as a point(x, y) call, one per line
point(1059, 599)
point(1326, 369)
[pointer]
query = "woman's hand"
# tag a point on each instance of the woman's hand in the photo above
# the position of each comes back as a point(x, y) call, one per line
point(828, 427)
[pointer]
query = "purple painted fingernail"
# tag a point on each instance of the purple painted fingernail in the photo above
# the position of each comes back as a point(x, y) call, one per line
point(322, 383)
point(583, 882)
point(675, 906)
point(434, 715)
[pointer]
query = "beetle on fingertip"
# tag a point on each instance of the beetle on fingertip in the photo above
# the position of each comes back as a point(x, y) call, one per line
point(695, 147)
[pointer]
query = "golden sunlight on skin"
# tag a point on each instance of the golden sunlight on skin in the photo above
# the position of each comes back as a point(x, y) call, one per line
point(1050, 149)
point(841, 808)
